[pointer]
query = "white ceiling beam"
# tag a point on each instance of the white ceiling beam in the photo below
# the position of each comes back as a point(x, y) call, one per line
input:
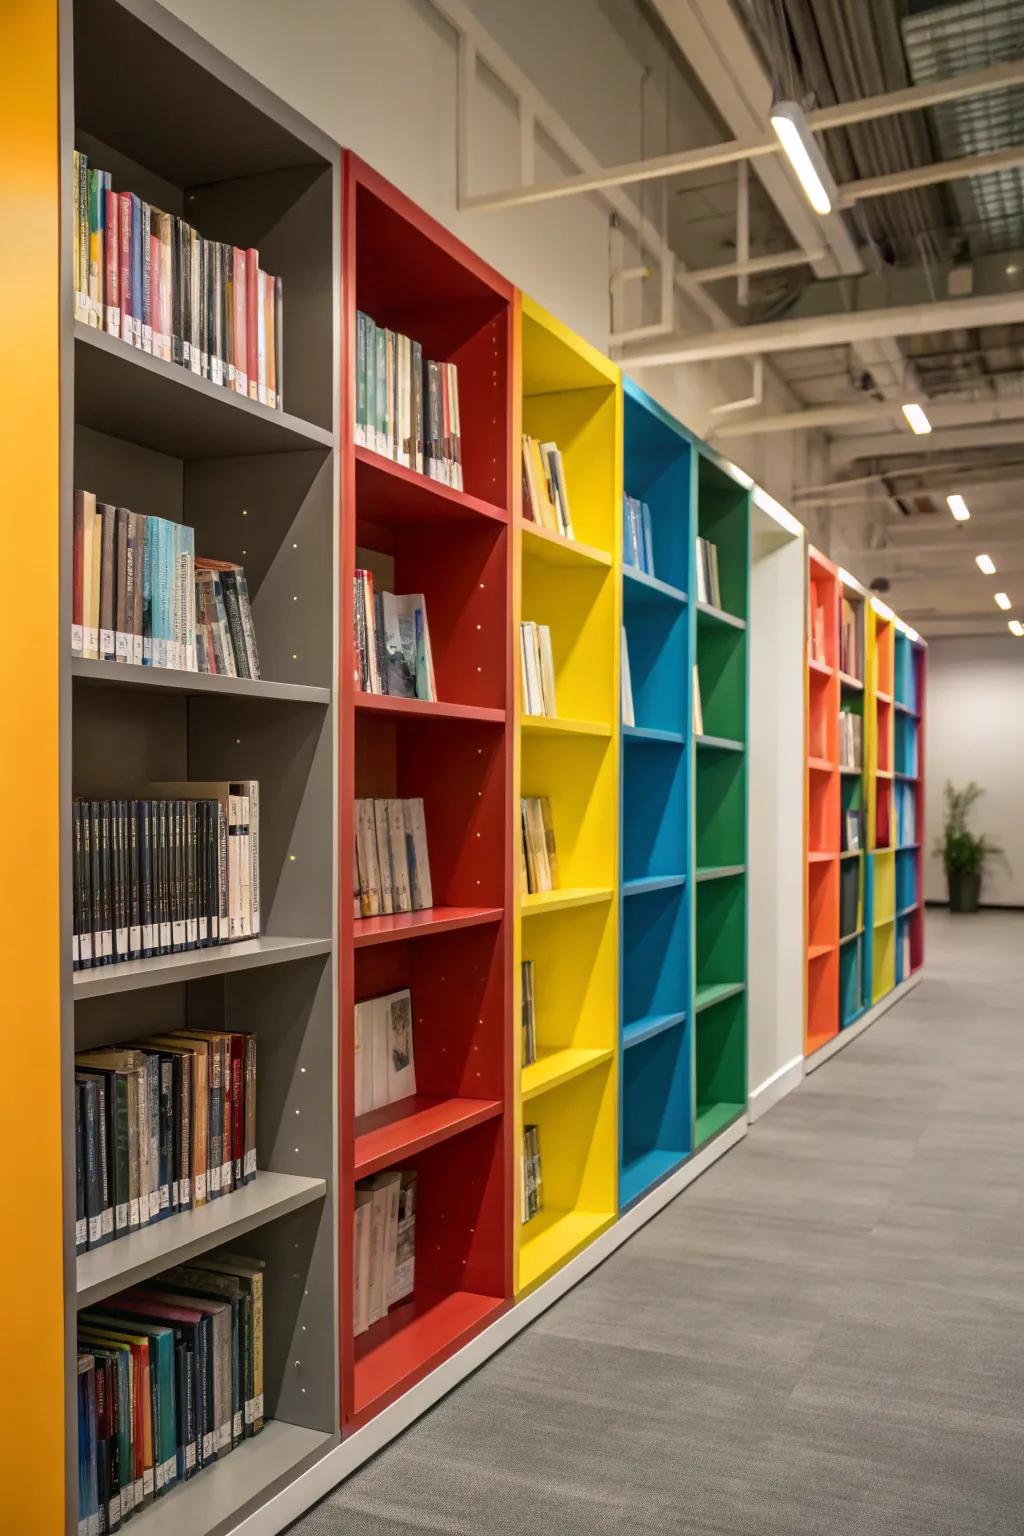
point(753, 265)
point(965, 413)
point(910, 180)
point(828, 330)
point(845, 450)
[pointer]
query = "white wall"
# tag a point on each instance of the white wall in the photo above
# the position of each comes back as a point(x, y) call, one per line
point(379, 77)
point(775, 885)
point(975, 730)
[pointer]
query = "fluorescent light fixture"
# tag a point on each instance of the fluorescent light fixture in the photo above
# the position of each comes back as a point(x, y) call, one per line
point(776, 510)
point(882, 609)
point(958, 507)
point(1015, 627)
point(803, 154)
point(917, 420)
point(985, 564)
point(1003, 600)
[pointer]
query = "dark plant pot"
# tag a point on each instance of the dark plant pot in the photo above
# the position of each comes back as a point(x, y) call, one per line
point(964, 892)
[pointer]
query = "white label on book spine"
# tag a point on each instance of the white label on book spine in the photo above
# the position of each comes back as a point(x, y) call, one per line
point(91, 642)
point(137, 650)
point(192, 931)
point(250, 1410)
point(259, 1405)
point(114, 319)
point(106, 644)
point(207, 1446)
point(165, 1197)
point(121, 645)
point(250, 1162)
point(115, 1510)
point(76, 639)
point(204, 930)
point(178, 931)
point(159, 1476)
point(214, 1177)
point(170, 1470)
point(185, 1191)
point(126, 327)
point(107, 943)
point(200, 1188)
point(154, 1204)
point(134, 938)
point(74, 949)
point(85, 947)
point(81, 1232)
point(175, 1199)
point(139, 1491)
point(147, 338)
point(147, 1481)
point(165, 935)
point(190, 1455)
point(121, 940)
point(224, 1436)
point(225, 1176)
point(236, 1426)
point(122, 1215)
point(127, 1498)
point(147, 935)
point(94, 1229)
point(107, 1221)
point(133, 1213)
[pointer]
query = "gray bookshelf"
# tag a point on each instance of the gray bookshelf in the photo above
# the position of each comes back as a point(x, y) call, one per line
point(181, 125)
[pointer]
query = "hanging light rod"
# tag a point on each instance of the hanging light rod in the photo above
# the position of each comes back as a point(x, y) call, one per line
point(790, 127)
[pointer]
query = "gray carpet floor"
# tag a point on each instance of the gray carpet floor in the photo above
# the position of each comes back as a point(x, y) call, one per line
point(822, 1335)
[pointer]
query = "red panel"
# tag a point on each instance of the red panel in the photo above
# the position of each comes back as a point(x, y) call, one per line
point(883, 813)
point(917, 921)
point(383, 930)
point(413, 1339)
point(884, 735)
point(823, 812)
point(822, 904)
point(390, 493)
point(396, 1132)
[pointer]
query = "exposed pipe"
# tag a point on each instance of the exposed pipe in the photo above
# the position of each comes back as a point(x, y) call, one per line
point(742, 405)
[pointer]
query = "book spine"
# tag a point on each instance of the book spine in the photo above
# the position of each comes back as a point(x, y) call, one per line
point(108, 578)
point(121, 595)
point(261, 337)
point(248, 629)
point(77, 570)
point(252, 313)
point(279, 341)
point(146, 262)
point(111, 260)
point(229, 588)
point(124, 228)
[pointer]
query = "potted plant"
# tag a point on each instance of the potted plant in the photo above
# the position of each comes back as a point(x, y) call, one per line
point(963, 854)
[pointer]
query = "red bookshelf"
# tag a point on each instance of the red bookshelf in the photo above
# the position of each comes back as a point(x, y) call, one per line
point(405, 271)
point(821, 891)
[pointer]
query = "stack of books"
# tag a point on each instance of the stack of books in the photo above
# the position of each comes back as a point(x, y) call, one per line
point(708, 588)
point(850, 660)
point(407, 406)
point(139, 595)
point(529, 1020)
point(540, 859)
point(532, 1201)
point(538, 669)
point(392, 642)
point(385, 1063)
point(162, 1126)
point(851, 732)
point(170, 1380)
point(177, 872)
point(384, 1245)
point(637, 538)
point(819, 650)
point(392, 863)
point(545, 492)
point(152, 280)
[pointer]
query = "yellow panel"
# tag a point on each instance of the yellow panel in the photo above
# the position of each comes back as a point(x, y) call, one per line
point(572, 395)
point(32, 1264)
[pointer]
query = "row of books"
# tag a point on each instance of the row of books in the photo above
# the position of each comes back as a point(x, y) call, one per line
point(407, 406)
point(849, 897)
point(545, 490)
point(852, 830)
point(906, 815)
point(708, 586)
point(540, 857)
point(141, 596)
point(816, 636)
point(637, 536)
point(529, 1015)
point(530, 1181)
point(151, 279)
point(851, 739)
point(851, 659)
point(161, 1127)
point(392, 864)
point(385, 1245)
point(157, 876)
point(385, 1062)
point(538, 665)
point(392, 642)
point(170, 1380)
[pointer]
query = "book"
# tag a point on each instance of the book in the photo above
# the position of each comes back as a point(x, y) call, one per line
point(538, 670)
point(698, 708)
point(626, 682)
point(392, 861)
point(406, 406)
point(849, 897)
point(850, 739)
point(637, 535)
point(539, 505)
point(851, 660)
point(529, 1018)
point(384, 1245)
point(385, 1068)
point(708, 586)
point(150, 279)
point(540, 858)
point(530, 1175)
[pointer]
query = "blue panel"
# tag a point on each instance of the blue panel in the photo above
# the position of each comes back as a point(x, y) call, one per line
point(656, 1110)
point(654, 819)
point(656, 637)
point(655, 954)
point(906, 879)
point(906, 744)
point(851, 981)
point(867, 959)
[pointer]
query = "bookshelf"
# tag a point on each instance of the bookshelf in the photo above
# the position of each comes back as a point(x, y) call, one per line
point(854, 944)
point(908, 802)
point(824, 787)
point(405, 271)
point(718, 780)
point(656, 1103)
point(880, 748)
point(259, 487)
point(571, 395)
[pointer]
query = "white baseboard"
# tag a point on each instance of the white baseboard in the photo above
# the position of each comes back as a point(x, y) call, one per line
point(344, 1459)
point(846, 1036)
point(774, 1088)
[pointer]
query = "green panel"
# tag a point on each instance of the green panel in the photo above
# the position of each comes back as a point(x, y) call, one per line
point(721, 664)
point(721, 1065)
point(722, 517)
point(721, 930)
point(721, 831)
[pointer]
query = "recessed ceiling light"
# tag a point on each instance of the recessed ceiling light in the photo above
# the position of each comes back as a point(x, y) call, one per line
point(917, 420)
point(1016, 627)
point(1012, 269)
point(803, 154)
point(1003, 600)
point(985, 564)
point(958, 507)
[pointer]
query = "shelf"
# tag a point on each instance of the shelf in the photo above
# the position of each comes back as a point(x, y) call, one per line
point(821, 667)
point(851, 684)
point(178, 1238)
point(653, 883)
point(817, 951)
point(906, 911)
point(109, 674)
point(552, 1237)
point(650, 734)
point(907, 847)
point(416, 925)
point(716, 992)
point(192, 964)
point(553, 725)
point(253, 1471)
point(391, 493)
point(851, 853)
point(708, 611)
point(718, 744)
point(883, 773)
point(642, 1169)
point(645, 1029)
point(849, 771)
point(905, 778)
point(848, 938)
point(715, 1118)
point(815, 857)
point(883, 698)
point(412, 1125)
point(818, 1038)
point(127, 393)
point(905, 709)
point(551, 548)
point(555, 1067)
point(539, 902)
point(820, 765)
point(720, 871)
point(639, 589)
point(411, 1340)
point(885, 922)
point(387, 705)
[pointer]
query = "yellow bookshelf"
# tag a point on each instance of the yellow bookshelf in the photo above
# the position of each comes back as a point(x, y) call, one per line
point(880, 908)
point(572, 396)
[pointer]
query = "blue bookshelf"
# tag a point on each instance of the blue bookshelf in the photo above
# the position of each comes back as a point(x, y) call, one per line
point(656, 1078)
